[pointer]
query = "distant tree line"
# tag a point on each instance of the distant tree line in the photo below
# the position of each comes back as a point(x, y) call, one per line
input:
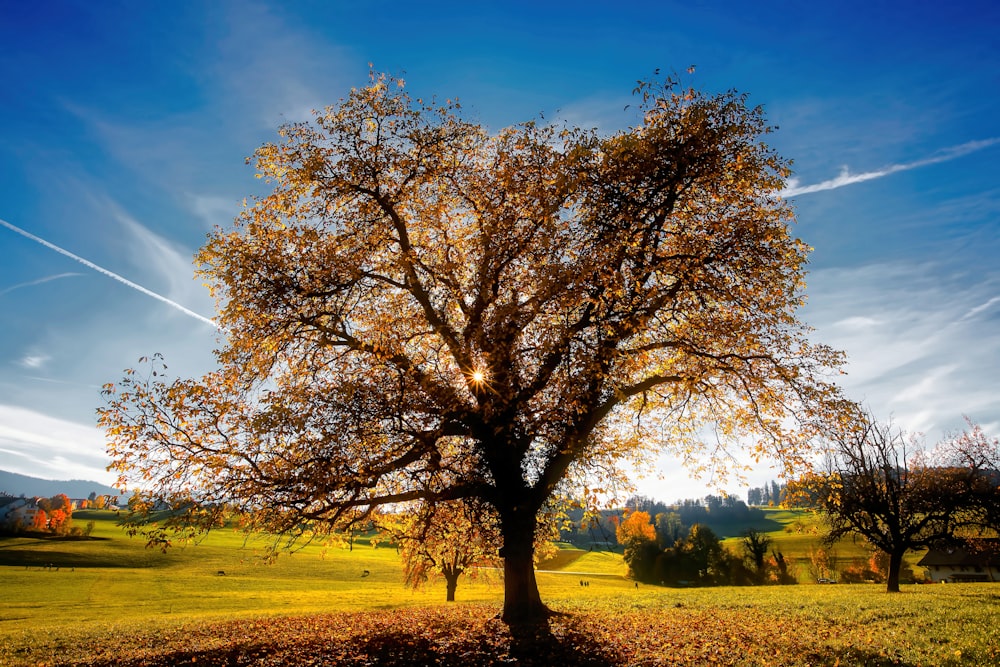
point(675, 544)
point(663, 551)
point(671, 522)
point(771, 494)
point(711, 509)
point(598, 529)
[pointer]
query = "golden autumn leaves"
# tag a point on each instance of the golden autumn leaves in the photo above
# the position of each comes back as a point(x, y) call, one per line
point(424, 311)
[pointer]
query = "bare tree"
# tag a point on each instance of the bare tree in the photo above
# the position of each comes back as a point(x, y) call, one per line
point(883, 486)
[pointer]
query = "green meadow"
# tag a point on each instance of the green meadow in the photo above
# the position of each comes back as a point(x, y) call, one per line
point(110, 601)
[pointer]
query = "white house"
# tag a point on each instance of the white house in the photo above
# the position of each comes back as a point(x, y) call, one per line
point(20, 512)
point(973, 560)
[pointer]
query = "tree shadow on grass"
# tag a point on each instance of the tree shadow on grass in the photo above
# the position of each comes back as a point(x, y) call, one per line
point(530, 648)
point(56, 559)
point(42, 551)
point(558, 644)
point(494, 645)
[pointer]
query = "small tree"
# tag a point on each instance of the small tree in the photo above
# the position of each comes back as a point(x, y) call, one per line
point(637, 535)
point(699, 558)
point(706, 552)
point(972, 450)
point(820, 563)
point(636, 527)
point(755, 547)
point(61, 501)
point(640, 557)
point(59, 521)
point(447, 539)
point(40, 521)
point(669, 529)
point(780, 566)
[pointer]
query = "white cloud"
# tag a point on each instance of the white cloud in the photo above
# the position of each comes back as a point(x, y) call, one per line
point(858, 324)
point(172, 262)
point(35, 444)
point(914, 354)
point(215, 211)
point(981, 308)
point(287, 73)
point(926, 389)
point(35, 360)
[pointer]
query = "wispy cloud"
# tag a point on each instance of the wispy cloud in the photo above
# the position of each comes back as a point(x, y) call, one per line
point(110, 274)
point(981, 308)
point(32, 443)
point(845, 177)
point(63, 382)
point(35, 360)
point(215, 211)
point(40, 281)
point(917, 347)
point(171, 261)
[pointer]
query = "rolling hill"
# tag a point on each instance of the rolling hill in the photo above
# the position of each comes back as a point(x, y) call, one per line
point(14, 484)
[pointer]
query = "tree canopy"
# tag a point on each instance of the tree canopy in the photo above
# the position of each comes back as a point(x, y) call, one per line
point(424, 310)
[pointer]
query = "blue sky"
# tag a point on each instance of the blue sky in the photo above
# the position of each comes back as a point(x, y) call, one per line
point(124, 127)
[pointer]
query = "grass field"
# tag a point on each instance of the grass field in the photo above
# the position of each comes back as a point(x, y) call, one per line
point(109, 601)
point(794, 532)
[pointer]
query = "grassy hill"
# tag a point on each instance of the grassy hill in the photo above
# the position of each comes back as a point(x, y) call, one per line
point(109, 601)
point(795, 532)
point(15, 484)
point(77, 600)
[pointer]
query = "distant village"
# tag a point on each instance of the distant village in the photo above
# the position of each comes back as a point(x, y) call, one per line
point(49, 515)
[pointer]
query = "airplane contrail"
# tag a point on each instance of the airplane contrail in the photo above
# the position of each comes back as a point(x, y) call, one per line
point(110, 274)
point(847, 178)
point(40, 281)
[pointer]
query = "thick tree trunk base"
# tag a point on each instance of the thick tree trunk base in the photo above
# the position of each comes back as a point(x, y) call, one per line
point(895, 567)
point(522, 605)
point(526, 616)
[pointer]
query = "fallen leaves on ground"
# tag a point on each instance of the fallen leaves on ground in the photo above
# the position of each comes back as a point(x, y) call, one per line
point(469, 635)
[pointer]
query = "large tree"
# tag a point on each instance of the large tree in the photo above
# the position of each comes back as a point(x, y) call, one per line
point(425, 310)
point(887, 488)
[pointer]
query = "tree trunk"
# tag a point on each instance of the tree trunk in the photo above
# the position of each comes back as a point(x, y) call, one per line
point(895, 565)
point(451, 580)
point(522, 605)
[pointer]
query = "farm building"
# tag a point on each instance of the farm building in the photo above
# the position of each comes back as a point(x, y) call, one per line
point(17, 512)
point(972, 560)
